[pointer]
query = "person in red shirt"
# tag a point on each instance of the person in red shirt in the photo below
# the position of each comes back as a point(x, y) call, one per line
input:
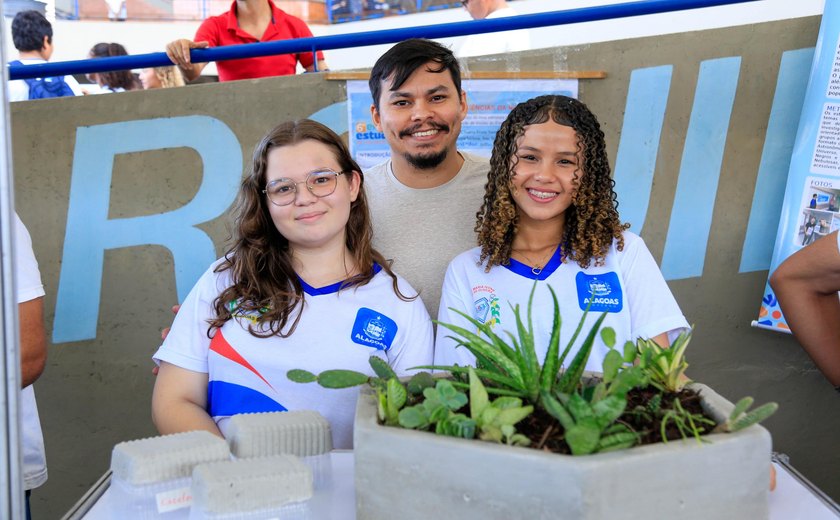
point(248, 21)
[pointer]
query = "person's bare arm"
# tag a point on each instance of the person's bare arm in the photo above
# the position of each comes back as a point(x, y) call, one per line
point(179, 52)
point(322, 66)
point(806, 285)
point(179, 401)
point(33, 340)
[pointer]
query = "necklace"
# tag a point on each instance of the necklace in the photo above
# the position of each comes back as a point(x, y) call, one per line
point(537, 267)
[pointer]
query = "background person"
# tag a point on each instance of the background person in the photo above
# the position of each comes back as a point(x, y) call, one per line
point(495, 42)
point(806, 284)
point(33, 356)
point(116, 10)
point(32, 35)
point(549, 217)
point(116, 80)
point(301, 288)
point(248, 21)
point(161, 77)
point(808, 231)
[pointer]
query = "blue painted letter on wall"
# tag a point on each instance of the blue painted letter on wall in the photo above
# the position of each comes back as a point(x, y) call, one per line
point(90, 232)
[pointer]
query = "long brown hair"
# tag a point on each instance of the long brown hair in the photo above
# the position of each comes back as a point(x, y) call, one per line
point(592, 220)
point(264, 283)
point(114, 79)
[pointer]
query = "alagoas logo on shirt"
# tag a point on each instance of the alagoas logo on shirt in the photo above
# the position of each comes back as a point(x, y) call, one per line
point(603, 290)
point(373, 329)
point(486, 305)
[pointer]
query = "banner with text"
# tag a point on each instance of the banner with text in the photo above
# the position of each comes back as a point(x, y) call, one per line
point(812, 195)
point(489, 102)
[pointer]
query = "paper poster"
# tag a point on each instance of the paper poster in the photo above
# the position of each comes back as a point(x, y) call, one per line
point(489, 102)
point(812, 193)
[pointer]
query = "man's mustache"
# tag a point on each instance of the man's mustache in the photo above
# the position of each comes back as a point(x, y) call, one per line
point(434, 126)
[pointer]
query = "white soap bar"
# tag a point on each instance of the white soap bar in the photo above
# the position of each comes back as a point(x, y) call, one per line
point(303, 433)
point(168, 457)
point(244, 485)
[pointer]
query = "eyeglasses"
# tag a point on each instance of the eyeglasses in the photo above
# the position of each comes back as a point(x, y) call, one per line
point(320, 183)
point(465, 2)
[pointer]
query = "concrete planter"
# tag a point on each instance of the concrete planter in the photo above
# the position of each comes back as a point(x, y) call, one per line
point(418, 475)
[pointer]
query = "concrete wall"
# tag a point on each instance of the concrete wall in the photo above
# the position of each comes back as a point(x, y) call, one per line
point(102, 205)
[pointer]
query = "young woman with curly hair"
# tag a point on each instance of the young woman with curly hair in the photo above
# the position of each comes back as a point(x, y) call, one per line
point(549, 217)
point(300, 288)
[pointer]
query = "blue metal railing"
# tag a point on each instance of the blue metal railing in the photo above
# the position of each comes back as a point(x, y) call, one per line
point(158, 59)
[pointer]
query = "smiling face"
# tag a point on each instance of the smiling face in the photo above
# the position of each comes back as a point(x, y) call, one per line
point(547, 165)
point(310, 222)
point(422, 118)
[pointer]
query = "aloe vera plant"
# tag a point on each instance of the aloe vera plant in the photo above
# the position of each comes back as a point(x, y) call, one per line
point(513, 369)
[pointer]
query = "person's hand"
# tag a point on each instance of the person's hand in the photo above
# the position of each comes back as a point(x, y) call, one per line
point(179, 51)
point(163, 334)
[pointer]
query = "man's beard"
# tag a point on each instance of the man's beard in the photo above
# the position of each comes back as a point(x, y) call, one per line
point(426, 161)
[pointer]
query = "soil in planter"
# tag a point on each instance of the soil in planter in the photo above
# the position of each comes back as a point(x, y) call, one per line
point(546, 433)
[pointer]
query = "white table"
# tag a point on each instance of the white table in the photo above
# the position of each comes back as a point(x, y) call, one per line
point(794, 498)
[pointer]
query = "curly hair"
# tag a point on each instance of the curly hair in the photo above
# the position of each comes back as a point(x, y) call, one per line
point(123, 79)
point(264, 283)
point(591, 222)
point(169, 77)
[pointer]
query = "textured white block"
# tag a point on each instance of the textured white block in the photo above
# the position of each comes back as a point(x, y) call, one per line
point(245, 485)
point(303, 433)
point(168, 457)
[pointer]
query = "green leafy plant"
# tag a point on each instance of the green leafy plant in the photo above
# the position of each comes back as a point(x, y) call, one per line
point(665, 366)
point(391, 394)
point(439, 409)
point(740, 418)
point(591, 413)
point(687, 423)
point(496, 419)
point(591, 427)
point(513, 369)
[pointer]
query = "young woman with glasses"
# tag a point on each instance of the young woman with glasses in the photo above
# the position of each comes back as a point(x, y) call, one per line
point(301, 287)
point(550, 218)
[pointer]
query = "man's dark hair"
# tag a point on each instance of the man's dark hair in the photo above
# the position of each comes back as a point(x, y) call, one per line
point(29, 29)
point(404, 58)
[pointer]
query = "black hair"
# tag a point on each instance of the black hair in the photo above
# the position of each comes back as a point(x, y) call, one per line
point(404, 58)
point(29, 29)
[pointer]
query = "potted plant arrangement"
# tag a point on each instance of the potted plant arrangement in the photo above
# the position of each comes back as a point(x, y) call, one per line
point(556, 438)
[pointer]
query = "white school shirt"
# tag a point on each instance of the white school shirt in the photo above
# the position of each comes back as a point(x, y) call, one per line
point(629, 287)
point(29, 287)
point(337, 330)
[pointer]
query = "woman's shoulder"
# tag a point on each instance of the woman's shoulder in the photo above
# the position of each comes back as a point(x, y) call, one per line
point(382, 279)
point(217, 277)
point(467, 259)
point(631, 239)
